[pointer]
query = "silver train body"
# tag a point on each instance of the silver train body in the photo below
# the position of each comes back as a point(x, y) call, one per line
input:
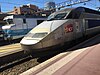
point(62, 27)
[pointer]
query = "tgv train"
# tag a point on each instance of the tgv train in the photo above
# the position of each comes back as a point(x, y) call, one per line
point(19, 25)
point(62, 27)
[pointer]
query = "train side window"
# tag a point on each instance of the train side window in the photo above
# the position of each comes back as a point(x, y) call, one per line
point(75, 14)
point(24, 20)
point(72, 15)
point(69, 16)
point(93, 23)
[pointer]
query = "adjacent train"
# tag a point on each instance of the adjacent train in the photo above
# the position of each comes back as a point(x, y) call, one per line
point(19, 25)
point(62, 27)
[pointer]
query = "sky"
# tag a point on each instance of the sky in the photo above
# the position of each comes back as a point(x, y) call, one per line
point(8, 5)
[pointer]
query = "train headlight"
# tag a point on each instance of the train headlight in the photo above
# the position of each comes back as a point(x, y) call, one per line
point(29, 41)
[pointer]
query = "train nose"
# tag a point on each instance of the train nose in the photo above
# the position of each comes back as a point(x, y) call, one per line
point(28, 45)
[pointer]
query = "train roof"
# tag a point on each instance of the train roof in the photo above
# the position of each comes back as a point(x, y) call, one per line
point(81, 9)
point(88, 10)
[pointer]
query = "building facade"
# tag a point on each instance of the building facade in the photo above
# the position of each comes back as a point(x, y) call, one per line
point(24, 9)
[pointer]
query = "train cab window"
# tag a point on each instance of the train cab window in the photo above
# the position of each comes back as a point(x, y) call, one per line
point(58, 16)
point(50, 17)
point(39, 35)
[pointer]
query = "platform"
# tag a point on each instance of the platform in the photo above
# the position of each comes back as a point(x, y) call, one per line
point(83, 61)
point(9, 49)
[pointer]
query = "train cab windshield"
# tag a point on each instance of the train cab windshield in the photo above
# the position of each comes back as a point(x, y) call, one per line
point(58, 16)
point(66, 14)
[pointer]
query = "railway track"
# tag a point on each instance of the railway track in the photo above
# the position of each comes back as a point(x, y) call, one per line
point(11, 64)
point(22, 63)
point(10, 61)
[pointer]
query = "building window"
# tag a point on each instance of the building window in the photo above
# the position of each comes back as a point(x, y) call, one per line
point(16, 12)
point(24, 20)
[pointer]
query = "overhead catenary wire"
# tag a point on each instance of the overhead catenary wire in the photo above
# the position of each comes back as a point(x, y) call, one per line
point(93, 4)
